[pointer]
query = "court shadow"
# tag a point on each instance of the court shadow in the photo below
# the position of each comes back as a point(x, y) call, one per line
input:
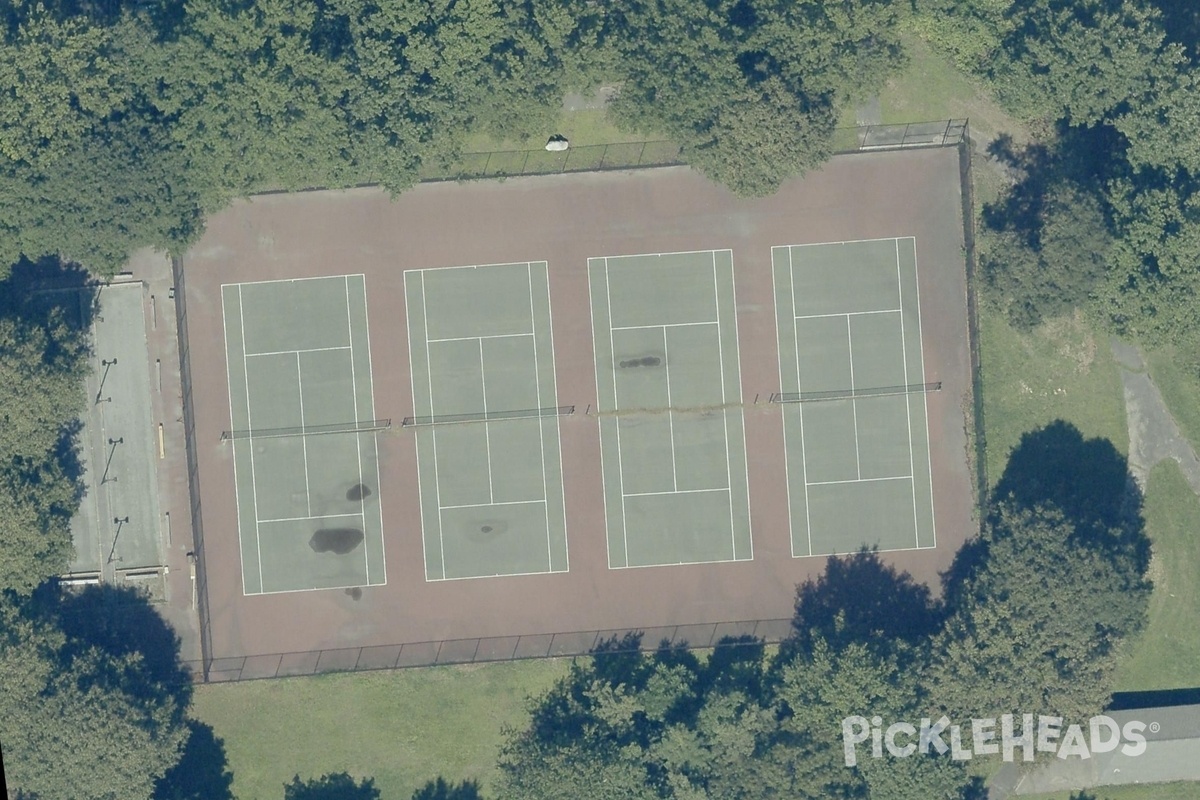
point(202, 773)
point(1088, 480)
point(121, 621)
point(859, 599)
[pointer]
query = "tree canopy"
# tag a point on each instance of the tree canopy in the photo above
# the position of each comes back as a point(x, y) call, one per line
point(77, 720)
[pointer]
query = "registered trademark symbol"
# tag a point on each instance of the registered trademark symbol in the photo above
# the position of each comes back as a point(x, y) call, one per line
point(1155, 727)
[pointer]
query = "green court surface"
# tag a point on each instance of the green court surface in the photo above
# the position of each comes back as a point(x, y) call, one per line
point(669, 405)
point(488, 454)
point(308, 506)
point(858, 468)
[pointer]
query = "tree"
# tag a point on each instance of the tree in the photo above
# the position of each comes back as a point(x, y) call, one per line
point(749, 88)
point(333, 786)
point(43, 348)
point(1053, 269)
point(73, 721)
point(1040, 622)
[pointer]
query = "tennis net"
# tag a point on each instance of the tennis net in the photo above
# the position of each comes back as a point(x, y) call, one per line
point(361, 426)
point(844, 394)
point(489, 416)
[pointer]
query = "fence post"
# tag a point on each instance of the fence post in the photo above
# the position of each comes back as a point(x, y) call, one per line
point(525, 162)
point(486, 162)
point(603, 157)
point(566, 160)
point(641, 154)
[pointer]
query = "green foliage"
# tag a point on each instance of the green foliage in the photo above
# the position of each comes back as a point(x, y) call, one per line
point(1039, 624)
point(73, 722)
point(335, 786)
point(43, 350)
point(1054, 268)
point(749, 88)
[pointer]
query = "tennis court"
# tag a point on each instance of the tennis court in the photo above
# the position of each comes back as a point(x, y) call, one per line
point(669, 407)
point(854, 394)
point(486, 420)
point(306, 463)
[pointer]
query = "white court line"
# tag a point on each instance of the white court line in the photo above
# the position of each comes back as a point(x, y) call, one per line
point(672, 253)
point(250, 427)
point(412, 381)
point(319, 516)
point(537, 388)
point(663, 325)
point(678, 491)
point(487, 437)
point(466, 266)
point(853, 402)
point(681, 563)
point(907, 403)
point(289, 352)
point(375, 437)
point(737, 360)
point(924, 396)
point(724, 411)
point(849, 241)
point(437, 489)
point(850, 313)
point(596, 365)
point(558, 427)
point(787, 476)
point(362, 500)
point(864, 480)
point(303, 439)
point(486, 577)
point(670, 416)
point(237, 495)
point(617, 422)
point(489, 505)
point(291, 280)
point(800, 409)
point(473, 338)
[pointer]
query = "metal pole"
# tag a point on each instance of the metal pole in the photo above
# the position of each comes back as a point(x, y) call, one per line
point(526, 161)
point(641, 154)
point(486, 162)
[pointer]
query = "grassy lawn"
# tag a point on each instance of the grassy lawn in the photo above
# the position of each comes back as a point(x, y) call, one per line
point(1154, 791)
point(1167, 656)
point(1061, 370)
point(401, 728)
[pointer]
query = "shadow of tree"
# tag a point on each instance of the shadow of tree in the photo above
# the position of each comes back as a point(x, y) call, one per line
point(861, 599)
point(202, 772)
point(1087, 479)
point(441, 790)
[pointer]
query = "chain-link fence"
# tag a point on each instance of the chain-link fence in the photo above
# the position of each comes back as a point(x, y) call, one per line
point(484, 650)
point(201, 670)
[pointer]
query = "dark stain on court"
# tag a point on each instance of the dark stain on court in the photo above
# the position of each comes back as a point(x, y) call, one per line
point(643, 361)
point(338, 541)
point(358, 492)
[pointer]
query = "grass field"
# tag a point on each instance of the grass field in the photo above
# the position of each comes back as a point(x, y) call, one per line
point(1167, 656)
point(1155, 791)
point(1061, 370)
point(402, 728)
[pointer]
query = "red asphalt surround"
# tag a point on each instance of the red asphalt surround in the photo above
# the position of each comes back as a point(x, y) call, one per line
point(564, 220)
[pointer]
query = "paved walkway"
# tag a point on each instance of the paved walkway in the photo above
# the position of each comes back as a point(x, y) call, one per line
point(1153, 434)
